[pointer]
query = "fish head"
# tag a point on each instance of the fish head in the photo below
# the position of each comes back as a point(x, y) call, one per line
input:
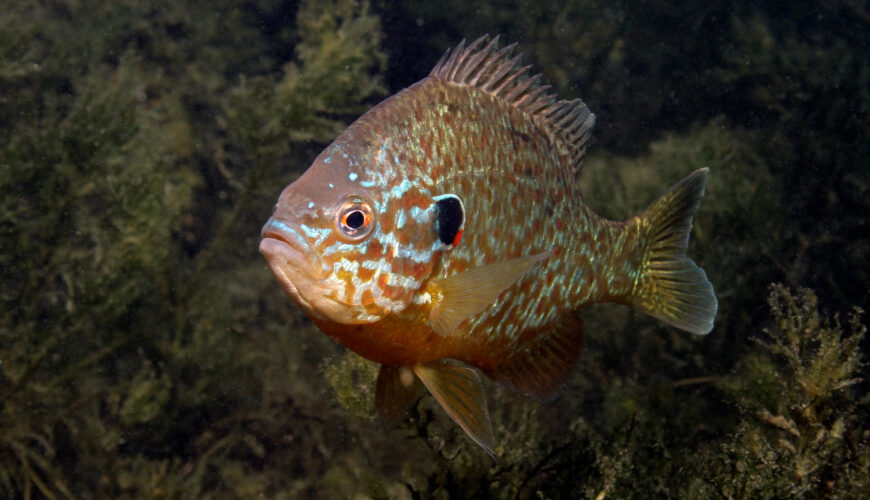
point(351, 241)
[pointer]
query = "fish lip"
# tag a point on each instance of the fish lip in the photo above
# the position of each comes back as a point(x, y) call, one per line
point(280, 242)
point(294, 263)
point(284, 259)
point(280, 239)
point(301, 273)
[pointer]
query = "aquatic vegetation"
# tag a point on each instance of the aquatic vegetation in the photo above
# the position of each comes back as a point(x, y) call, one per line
point(803, 430)
point(99, 189)
point(125, 360)
point(145, 349)
point(807, 88)
point(353, 377)
point(799, 428)
point(738, 227)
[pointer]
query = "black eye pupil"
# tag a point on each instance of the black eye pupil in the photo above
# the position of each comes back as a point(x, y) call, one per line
point(355, 219)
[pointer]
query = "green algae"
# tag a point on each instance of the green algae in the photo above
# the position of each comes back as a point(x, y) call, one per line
point(799, 428)
point(802, 429)
point(124, 366)
point(353, 378)
point(146, 350)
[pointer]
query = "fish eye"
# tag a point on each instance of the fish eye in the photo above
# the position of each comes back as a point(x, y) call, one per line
point(353, 220)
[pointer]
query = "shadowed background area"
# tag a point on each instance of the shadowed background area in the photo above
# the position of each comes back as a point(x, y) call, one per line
point(146, 349)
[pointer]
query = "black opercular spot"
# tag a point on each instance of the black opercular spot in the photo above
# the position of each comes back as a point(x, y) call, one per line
point(355, 219)
point(451, 216)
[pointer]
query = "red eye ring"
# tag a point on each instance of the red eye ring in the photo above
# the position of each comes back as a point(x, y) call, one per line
point(354, 219)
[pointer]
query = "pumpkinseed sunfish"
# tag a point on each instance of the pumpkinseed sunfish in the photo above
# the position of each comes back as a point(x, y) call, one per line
point(443, 233)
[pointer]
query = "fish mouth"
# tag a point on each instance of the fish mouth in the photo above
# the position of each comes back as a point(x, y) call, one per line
point(295, 264)
point(305, 277)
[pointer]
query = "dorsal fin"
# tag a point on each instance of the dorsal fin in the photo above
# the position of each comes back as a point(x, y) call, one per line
point(498, 72)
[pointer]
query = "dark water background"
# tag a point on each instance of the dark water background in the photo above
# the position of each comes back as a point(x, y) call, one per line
point(147, 351)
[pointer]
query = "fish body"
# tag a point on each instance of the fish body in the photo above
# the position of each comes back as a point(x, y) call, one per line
point(446, 223)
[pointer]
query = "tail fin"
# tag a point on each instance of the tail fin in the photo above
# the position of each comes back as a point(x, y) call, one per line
point(672, 287)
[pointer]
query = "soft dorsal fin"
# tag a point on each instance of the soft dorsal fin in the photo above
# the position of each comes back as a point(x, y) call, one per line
point(459, 390)
point(497, 71)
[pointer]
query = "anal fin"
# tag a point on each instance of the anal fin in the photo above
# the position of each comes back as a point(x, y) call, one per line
point(459, 390)
point(541, 368)
point(397, 389)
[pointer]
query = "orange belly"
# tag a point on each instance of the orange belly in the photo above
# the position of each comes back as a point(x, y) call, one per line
point(398, 340)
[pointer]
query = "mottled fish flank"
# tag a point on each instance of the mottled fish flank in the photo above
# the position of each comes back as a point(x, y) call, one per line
point(443, 234)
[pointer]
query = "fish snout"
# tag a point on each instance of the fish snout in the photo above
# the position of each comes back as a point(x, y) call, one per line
point(284, 247)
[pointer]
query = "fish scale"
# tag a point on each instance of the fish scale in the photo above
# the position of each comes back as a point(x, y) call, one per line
point(446, 225)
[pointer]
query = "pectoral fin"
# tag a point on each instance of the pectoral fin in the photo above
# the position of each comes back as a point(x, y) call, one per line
point(396, 391)
point(467, 293)
point(459, 390)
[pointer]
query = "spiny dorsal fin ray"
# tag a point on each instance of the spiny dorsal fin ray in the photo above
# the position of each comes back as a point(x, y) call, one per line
point(497, 71)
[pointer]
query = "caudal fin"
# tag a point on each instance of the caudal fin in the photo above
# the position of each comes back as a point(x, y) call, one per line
point(672, 287)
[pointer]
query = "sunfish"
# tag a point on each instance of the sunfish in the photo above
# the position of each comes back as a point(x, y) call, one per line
point(443, 234)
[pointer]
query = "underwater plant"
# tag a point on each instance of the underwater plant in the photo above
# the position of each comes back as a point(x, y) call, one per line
point(804, 429)
point(131, 162)
point(795, 426)
point(145, 350)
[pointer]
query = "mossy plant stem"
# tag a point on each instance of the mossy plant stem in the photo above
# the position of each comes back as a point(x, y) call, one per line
point(31, 368)
point(32, 476)
point(90, 360)
point(205, 259)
